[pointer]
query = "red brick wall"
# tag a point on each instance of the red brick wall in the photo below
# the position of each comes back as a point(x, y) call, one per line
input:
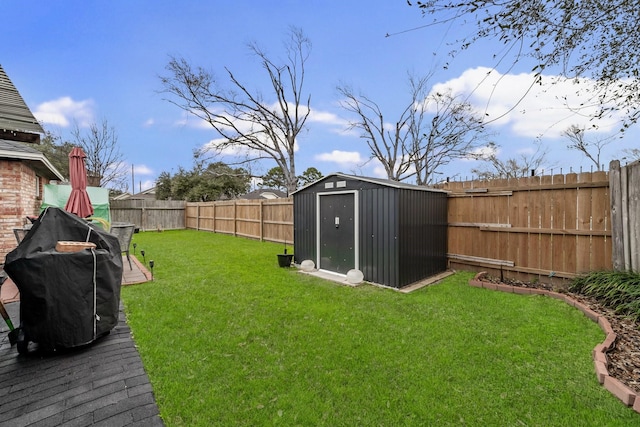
point(17, 200)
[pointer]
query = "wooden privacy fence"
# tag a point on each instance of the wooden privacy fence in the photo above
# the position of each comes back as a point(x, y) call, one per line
point(625, 215)
point(149, 214)
point(536, 227)
point(270, 220)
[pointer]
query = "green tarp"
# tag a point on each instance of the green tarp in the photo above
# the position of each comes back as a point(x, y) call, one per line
point(57, 195)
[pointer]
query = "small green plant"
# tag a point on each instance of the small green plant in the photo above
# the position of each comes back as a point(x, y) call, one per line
point(619, 290)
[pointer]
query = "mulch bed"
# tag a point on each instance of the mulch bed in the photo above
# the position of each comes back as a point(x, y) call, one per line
point(624, 357)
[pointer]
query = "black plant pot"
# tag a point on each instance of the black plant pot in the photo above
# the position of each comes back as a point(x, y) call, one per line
point(284, 260)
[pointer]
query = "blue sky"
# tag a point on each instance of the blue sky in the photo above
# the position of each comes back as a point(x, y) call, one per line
point(90, 61)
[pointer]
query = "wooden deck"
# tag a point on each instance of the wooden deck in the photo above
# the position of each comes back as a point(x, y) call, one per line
point(103, 383)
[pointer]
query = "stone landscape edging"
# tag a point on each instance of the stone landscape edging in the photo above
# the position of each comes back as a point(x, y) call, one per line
point(626, 395)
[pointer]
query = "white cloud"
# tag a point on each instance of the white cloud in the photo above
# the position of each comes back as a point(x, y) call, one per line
point(142, 170)
point(380, 172)
point(232, 150)
point(527, 110)
point(483, 152)
point(328, 118)
point(148, 123)
point(346, 158)
point(63, 111)
point(192, 121)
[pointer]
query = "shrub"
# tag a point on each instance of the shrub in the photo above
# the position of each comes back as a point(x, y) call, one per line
point(618, 290)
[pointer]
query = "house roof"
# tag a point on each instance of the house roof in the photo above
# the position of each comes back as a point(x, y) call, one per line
point(14, 113)
point(264, 193)
point(25, 152)
point(148, 194)
point(379, 181)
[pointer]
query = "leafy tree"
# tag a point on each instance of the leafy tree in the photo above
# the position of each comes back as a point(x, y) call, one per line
point(104, 161)
point(163, 186)
point(274, 178)
point(244, 119)
point(56, 151)
point(592, 149)
point(181, 183)
point(309, 176)
point(595, 39)
point(432, 130)
point(113, 193)
point(203, 183)
point(228, 182)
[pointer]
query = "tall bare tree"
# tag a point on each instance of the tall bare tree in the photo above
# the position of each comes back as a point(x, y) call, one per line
point(244, 118)
point(513, 167)
point(432, 130)
point(591, 148)
point(104, 160)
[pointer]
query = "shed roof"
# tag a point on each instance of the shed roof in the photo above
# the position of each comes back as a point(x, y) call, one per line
point(14, 113)
point(25, 152)
point(379, 181)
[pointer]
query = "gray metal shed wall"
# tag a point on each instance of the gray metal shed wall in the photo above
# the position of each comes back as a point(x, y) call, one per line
point(422, 235)
point(304, 226)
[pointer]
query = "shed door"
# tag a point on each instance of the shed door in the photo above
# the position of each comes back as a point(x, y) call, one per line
point(337, 232)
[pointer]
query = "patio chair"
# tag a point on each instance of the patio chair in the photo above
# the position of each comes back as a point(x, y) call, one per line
point(20, 233)
point(124, 233)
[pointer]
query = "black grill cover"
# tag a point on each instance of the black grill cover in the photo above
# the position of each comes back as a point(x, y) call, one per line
point(67, 299)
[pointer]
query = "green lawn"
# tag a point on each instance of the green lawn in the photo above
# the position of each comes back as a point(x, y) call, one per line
point(229, 338)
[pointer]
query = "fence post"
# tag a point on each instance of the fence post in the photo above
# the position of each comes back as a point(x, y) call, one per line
point(261, 220)
point(615, 185)
point(198, 217)
point(143, 216)
point(633, 205)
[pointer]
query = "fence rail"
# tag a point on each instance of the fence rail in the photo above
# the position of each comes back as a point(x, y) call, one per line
point(270, 220)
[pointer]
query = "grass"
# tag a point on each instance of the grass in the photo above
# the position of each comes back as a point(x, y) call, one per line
point(229, 338)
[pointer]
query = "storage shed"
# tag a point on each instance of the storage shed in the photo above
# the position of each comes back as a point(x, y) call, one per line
point(394, 233)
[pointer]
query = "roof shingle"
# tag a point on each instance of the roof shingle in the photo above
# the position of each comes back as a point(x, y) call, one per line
point(14, 113)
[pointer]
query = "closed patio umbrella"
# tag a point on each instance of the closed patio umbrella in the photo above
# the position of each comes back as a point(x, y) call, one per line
point(79, 202)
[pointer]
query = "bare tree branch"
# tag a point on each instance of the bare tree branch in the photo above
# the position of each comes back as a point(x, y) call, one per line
point(513, 167)
point(431, 131)
point(242, 117)
point(592, 149)
point(104, 160)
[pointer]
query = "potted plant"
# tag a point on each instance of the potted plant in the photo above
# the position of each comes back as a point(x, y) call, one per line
point(284, 259)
